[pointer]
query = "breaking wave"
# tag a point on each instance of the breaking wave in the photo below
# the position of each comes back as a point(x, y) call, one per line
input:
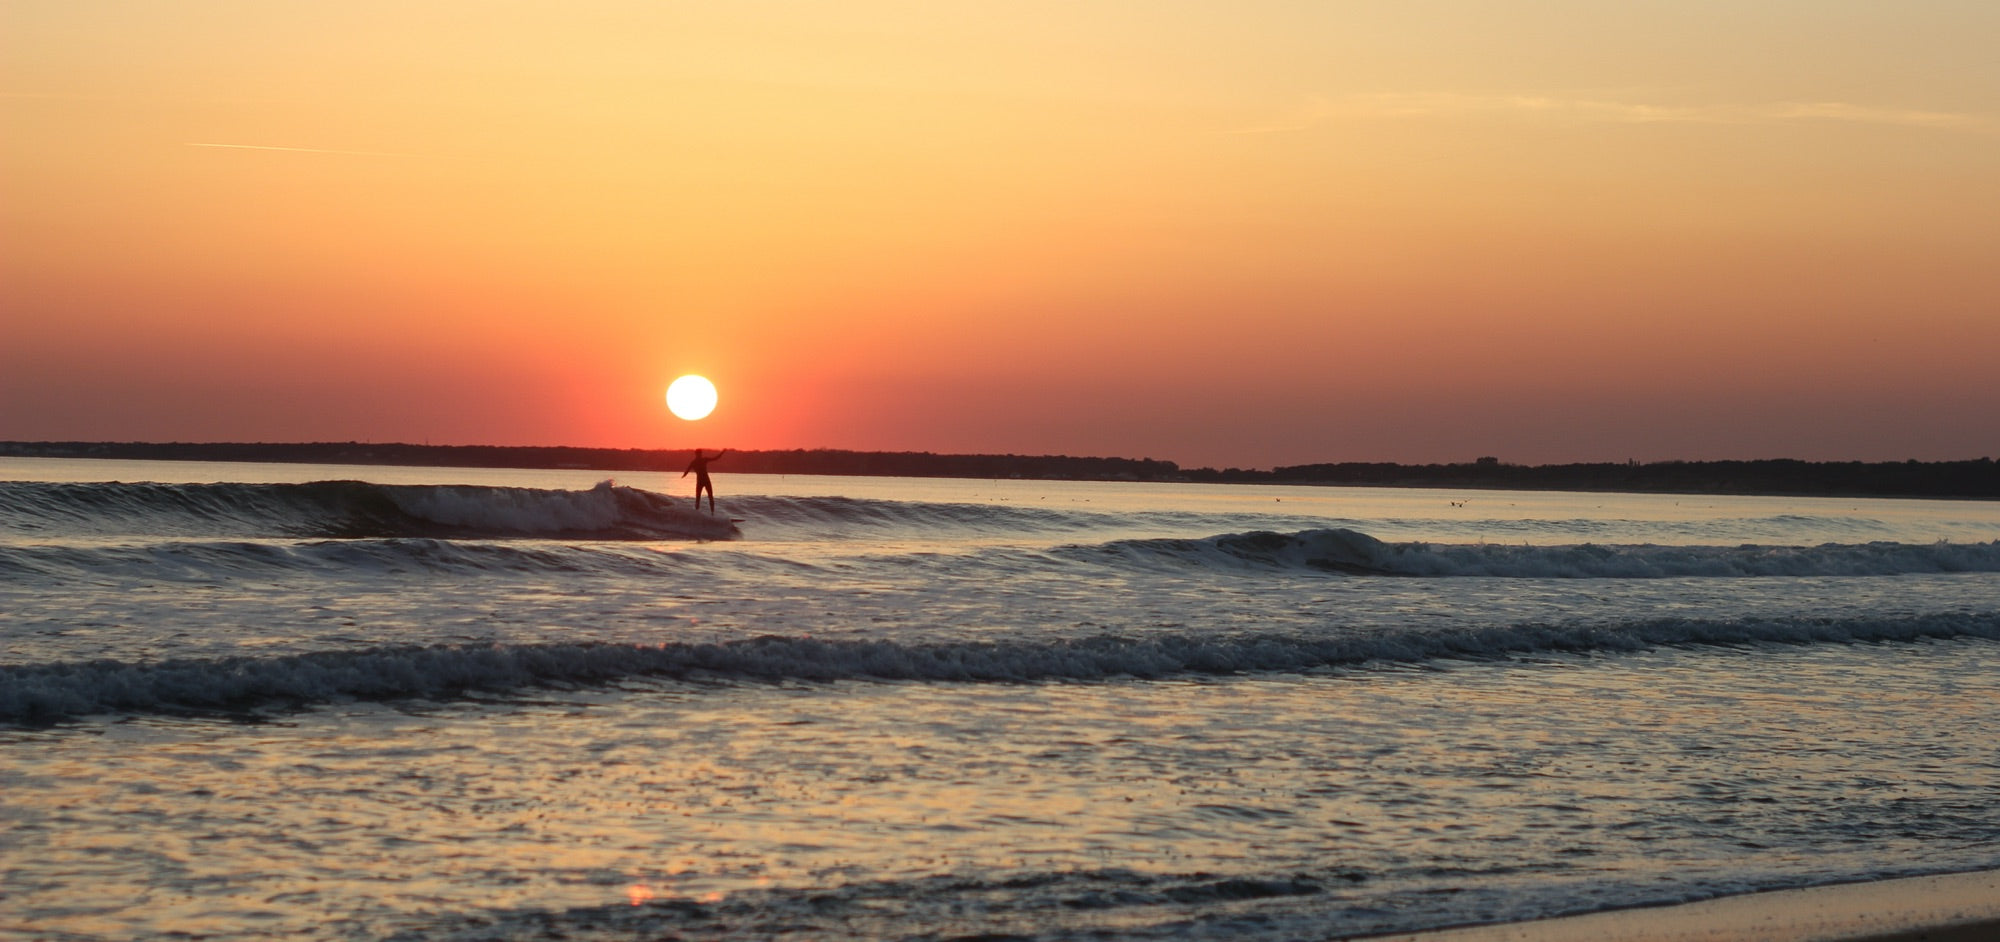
point(1348, 551)
point(352, 509)
point(51, 692)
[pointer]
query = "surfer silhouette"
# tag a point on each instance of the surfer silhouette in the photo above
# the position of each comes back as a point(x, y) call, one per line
point(699, 467)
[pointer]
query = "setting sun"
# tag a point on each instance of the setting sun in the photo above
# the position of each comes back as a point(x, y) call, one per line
point(691, 397)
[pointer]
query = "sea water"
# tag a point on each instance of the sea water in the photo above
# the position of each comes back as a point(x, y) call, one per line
point(255, 701)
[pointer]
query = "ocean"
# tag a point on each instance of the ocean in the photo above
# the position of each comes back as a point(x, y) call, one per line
point(330, 702)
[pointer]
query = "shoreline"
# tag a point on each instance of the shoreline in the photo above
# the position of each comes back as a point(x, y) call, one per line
point(1952, 907)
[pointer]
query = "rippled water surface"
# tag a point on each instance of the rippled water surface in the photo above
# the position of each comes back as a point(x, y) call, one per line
point(526, 706)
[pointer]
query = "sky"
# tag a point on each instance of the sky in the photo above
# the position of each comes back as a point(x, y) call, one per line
point(1233, 235)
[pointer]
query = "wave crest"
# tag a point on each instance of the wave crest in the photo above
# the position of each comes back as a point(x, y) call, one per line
point(354, 509)
point(1348, 551)
point(49, 692)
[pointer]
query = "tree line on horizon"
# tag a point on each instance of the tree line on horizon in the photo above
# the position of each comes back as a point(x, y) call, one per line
point(1978, 478)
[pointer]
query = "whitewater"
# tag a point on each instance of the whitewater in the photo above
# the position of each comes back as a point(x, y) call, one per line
point(333, 702)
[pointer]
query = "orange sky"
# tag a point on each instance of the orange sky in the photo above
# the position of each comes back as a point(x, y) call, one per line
point(1224, 234)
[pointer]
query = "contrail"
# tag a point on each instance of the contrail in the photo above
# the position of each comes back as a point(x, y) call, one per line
point(307, 150)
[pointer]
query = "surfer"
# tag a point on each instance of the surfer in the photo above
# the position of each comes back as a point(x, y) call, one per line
point(699, 466)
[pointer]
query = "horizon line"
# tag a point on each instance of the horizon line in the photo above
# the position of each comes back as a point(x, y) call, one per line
point(1480, 461)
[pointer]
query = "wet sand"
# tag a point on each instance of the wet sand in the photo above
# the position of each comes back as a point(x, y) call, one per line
point(1961, 907)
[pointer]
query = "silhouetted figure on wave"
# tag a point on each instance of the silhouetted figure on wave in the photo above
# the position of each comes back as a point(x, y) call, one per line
point(699, 467)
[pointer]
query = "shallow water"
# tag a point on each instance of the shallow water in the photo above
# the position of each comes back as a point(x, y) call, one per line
point(900, 708)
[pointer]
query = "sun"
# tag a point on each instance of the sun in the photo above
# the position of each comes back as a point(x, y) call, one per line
point(691, 397)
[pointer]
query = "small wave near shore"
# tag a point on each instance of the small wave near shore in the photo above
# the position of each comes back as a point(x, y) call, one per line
point(54, 692)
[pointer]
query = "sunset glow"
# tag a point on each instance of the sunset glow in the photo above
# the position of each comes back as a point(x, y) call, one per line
point(1213, 234)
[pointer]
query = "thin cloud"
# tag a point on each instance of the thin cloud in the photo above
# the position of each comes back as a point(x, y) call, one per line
point(1841, 111)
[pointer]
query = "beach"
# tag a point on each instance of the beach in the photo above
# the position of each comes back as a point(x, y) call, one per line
point(1960, 907)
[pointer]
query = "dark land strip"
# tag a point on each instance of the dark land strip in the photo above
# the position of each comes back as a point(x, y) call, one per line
point(1973, 479)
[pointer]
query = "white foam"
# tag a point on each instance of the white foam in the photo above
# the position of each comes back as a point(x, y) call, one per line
point(604, 510)
point(352, 509)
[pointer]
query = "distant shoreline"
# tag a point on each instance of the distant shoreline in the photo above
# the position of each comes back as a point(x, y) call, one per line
point(1974, 479)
